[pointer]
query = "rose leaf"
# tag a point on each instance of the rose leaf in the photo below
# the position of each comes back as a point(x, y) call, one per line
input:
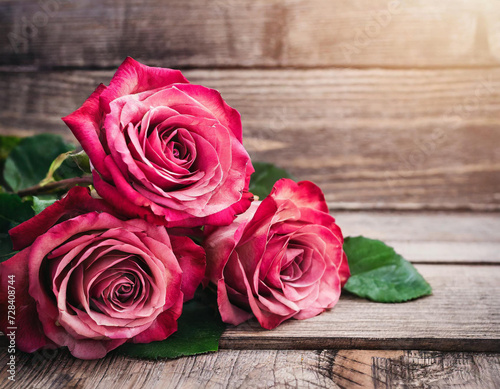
point(264, 178)
point(42, 202)
point(379, 274)
point(55, 165)
point(6, 250)
point(13, 211)
point(199, 330)
point(7, 143)
point(28, 163)
point(74, 165)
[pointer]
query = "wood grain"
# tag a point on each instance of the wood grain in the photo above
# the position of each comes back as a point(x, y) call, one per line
point(413, 369)
point(463, 314)
point(261, 369)
point(382, 138)
point(422, 227)
point(425, 237)
point(250, 33)
point(448, 252)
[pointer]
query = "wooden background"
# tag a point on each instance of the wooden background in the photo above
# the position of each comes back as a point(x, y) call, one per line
point(384, 103)
point(388, 105)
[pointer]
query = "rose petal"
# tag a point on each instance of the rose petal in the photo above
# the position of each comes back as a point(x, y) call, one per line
point(85, 123)
point(164, 325)
point(76, 202)
point(29, 333)
point(133, 77)
point(192, 260)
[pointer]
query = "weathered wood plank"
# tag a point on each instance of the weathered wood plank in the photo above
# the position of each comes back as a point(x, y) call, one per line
point(202, 33)
point(413, 369)
point(387, 138)
point(448, 252)
point(261, 369)
point(426, 237)
point(421, 227)
point(463, 314)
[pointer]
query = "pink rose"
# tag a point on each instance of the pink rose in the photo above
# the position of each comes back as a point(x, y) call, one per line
point(163, 149)
point(90, 281)
point(282, 258)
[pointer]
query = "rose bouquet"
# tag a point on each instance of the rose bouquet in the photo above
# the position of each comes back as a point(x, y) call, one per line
point(155, 230)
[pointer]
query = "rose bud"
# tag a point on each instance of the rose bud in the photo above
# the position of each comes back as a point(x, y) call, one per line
point(282, 258)
point(163, 149)
point(90, 281)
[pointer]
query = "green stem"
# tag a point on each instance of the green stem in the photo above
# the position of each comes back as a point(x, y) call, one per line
point(55, 186)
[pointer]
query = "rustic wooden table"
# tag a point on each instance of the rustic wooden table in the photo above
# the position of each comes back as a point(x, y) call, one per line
point(448, 339)
point(392, 107)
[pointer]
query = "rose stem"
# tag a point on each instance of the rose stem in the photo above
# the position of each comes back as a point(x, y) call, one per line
point(53, 186)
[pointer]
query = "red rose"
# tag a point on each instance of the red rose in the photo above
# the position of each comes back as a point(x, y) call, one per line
point(90, 281)
point(163, 149)
point(282, 258)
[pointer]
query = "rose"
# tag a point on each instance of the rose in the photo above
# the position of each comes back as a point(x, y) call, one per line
point(282, 258)
point(163, 149)
point(92, 282)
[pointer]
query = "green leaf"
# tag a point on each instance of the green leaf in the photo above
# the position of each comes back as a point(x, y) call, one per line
point(40, 203)
point(7, 143)
point(56, 164)
point(29, 162)
point(200, 328)
point(75, 165)
point(379, 274)
point(13, 211)
point(67, 165)
point(266, 174)
point(6, 250)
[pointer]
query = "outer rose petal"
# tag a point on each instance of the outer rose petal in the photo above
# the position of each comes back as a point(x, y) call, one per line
point(29, 334)
point(308, 313)
point(344, 271)
point(192, 260)
point(123, 204)
point(226, 216)
point(81, 348)
point(76, 202)
point(85, 123)
point(164, 325)
point(303, 194)
point(230, 313)
point(221, 241)
point(212, 100)
point(133, 77)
